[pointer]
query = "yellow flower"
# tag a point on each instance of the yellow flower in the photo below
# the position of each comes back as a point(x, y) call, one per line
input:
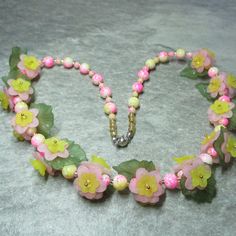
point(55, 145)
point(24, 118)
point(31, 62)
point(200, 175)
point(208, 137)
point(231, 81)
point(220, 107)
point(88, 183)
point(20, 85)
point(39, 166)
point(4, 100)
point(214, 85)
point(147, 185)
point(198, 61)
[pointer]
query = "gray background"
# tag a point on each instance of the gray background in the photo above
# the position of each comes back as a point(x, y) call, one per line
point(115, 37)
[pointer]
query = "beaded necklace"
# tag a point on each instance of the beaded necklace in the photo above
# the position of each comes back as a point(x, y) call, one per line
point(192, 174)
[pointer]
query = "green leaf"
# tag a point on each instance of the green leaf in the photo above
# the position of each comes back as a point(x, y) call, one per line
point(191, 73)
point(4, 100)
point(200, 196)
point(128, 168)
point(100, 161)
point(217, 145)
point(5, 79)
point(45, 117)
point(182, 159)
point(77, 155)
point(15, 56)
point(202, 88)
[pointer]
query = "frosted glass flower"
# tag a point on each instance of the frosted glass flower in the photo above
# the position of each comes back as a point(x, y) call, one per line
point(208, 142)
point(24, 120)
point(89, 182)
point(220, 109)
point(146, 186)
point(230, 81)
point(196, 175)
point(20, 87)
point(53, 148)
point(29, 66)
point(229, 147)
point(202, 60)
point(41, 166)
point(4, 100)
point(216, 86)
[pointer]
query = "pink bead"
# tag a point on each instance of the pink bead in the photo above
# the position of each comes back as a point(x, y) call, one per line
point(16, 99)
point(97, 79)
point(111, 107)
point(211, 151)
point(131, 110)
point(224, 98)
point(105, 92)
point(108, 99)
point(68, 63)
point(76, 65)
point(171, 54)
point(189, 55)
point(101, 85)
point(37, 139)
point(213, 71)
point(138, 87)
point(106, 179)
point(84, 68)
point(224, 121)
point(48, 62)
point(163, 54)
point(143, 74)
point(171, 181)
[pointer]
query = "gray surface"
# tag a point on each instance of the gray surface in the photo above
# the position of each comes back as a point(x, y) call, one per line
point(115, 37)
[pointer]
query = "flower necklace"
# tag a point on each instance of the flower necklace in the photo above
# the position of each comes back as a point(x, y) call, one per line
point(192, 174)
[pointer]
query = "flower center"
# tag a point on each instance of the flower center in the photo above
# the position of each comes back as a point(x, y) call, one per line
point(20, 85)
point(198, 61)
point(24, 118)
point(147, 185)
point(31, 62)
point(55, 145)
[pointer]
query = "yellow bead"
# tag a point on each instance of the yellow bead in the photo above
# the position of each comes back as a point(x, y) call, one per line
point(69, 171)
point(120, 182)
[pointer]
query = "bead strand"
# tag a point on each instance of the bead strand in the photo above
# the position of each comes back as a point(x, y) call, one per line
point(110, 107)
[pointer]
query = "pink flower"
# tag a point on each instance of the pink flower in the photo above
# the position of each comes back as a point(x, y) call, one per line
point(53, 147)
point(202, 60)
point(29, 66)
point(16, 89)
point(24, 120)
point(217, 86)
point(89, 182)
point(146, 186)
point(219, 110)
point(197, 173)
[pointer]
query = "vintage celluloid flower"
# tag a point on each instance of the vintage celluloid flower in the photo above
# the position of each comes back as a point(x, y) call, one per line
point(216, 86)
point(230, 81)
point(146, 186)
point(4, 100)
point(53, 147)
point(202, 59)
point(197, 173)
point(24, 120)
point(41, 166)
point(229, 147)
point(20, 87)
point(29, 66)
point(219, 110)
point(208, 140)
point(89, 182)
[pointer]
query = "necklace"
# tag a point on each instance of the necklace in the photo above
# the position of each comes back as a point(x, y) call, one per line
point(193, 174)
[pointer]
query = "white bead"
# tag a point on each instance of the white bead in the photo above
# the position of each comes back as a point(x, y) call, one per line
point(206, 158)
point(180, 53)
point(20, 106)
